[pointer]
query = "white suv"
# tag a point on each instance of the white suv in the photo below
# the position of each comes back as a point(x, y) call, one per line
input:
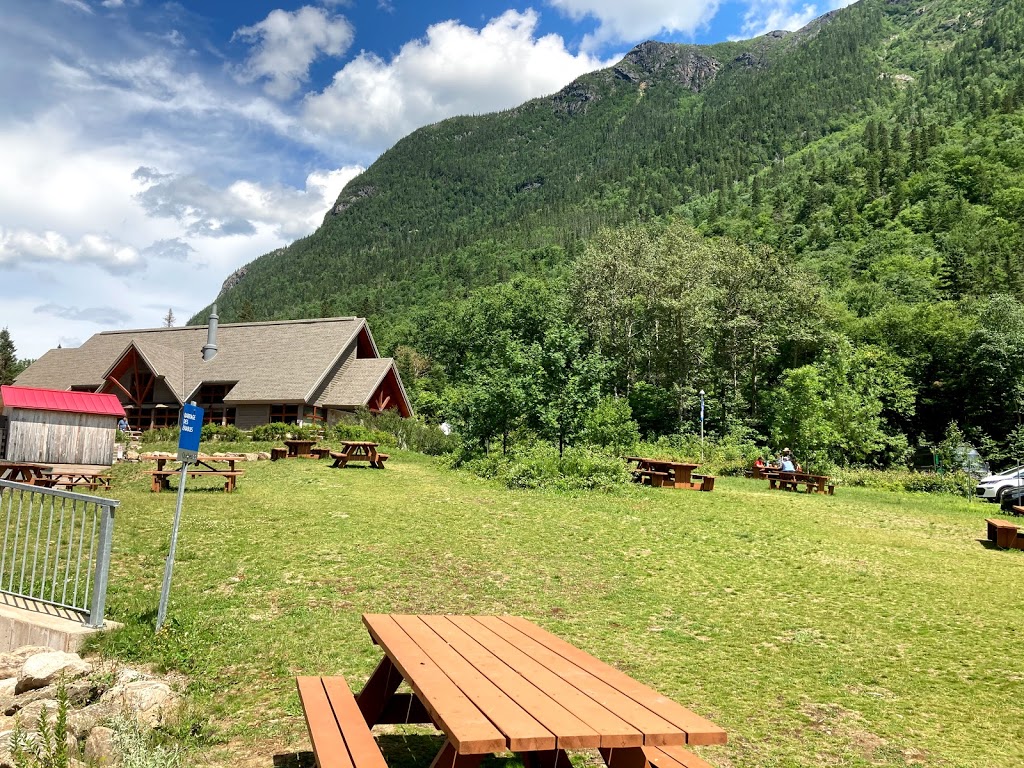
point(992, 487)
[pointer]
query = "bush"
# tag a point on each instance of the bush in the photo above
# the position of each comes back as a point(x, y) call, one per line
point(161, 435)
point(389, 428)
point(956, 483)
point(269, 433)
point(539, 466)
point(610, 425)
point(227, 434)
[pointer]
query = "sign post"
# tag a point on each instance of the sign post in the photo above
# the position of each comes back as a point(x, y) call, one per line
point(188, 452)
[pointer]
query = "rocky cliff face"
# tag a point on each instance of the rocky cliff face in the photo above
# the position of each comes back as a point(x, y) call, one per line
point(683, 64)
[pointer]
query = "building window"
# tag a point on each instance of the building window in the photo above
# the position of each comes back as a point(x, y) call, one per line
point(165, 417)
point(284, 414)
point(218, 414)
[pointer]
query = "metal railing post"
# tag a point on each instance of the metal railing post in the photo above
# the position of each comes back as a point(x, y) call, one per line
point(102, 573)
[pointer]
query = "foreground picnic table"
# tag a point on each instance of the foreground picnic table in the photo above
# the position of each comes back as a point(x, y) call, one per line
point(358, 450)
point(665, 473)
point(203, 466)
point(24, 472)
point(498, 683)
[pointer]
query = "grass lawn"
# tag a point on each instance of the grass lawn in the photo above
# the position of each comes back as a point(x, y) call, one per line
point(863, 629)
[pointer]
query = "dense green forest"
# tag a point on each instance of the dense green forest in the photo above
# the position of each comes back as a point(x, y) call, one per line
point(823, 231)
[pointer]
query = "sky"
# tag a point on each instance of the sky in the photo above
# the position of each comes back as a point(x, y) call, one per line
point(149, 149)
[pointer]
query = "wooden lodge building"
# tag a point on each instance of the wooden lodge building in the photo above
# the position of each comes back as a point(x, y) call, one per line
point(244, 374)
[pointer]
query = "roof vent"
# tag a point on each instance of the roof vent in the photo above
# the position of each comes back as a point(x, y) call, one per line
point(210, 348)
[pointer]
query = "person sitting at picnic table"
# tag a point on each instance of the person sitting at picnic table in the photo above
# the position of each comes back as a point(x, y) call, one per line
point(122, 424)
point(786, 461)
point(759, 463)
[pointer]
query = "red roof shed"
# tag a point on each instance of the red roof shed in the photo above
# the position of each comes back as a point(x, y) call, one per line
point(60, 400)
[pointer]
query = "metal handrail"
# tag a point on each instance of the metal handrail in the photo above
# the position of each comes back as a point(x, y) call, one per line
point(68, 566)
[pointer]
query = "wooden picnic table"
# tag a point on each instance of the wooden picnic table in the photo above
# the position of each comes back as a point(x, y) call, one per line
point(791, 481)
point(24, 472)
point(665, 473)
point(358, 450)
point(78, 478)
point(498, 683)
point(299, 448)
point(203, 466)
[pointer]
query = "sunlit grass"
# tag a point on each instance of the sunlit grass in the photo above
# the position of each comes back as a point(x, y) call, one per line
point(862, 629)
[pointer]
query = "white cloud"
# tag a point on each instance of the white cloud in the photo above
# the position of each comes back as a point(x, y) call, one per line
point(21, 246)
point(106, 316)
point(454, 70)
point(242, 207)
point(763, 16)
point(637, 20)
point(287, 43)
point(78, 5)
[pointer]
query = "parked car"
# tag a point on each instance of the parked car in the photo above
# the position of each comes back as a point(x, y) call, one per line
point(992, 487)
point(1012, 498)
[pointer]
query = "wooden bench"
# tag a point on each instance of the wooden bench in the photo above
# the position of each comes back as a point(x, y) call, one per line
point(673, 757)
point(339, 733)
point(651, 477)
point(278, 453)
point(71, 482)
point(707, 482)
point(1017, 510)
point(162, 477)
point(320, 453)
point(1004, 534)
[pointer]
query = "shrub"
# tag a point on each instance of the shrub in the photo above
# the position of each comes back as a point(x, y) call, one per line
point(48, 747)
point(389, 428)
point(137, 748)
point(161, 435)
point(269, 433)
point(956, 483)
point(227, 434)
point(539, 466)
point(610, 425)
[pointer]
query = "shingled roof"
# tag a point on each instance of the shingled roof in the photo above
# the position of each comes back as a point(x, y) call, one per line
point(271, 362)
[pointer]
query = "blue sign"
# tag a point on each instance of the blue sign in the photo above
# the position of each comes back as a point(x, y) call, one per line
point(191, 431)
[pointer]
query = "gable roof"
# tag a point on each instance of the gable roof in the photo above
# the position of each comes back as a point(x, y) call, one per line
point(355, 383)
point(60, 400)
point(265, 362)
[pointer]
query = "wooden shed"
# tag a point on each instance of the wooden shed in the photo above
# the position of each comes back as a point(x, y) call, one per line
point(58, 427)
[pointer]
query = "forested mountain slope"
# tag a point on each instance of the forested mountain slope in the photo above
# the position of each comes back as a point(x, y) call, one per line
point(879, 152)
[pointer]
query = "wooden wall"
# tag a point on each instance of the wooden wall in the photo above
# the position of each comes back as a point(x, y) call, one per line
point(56, 437)
point(249, 416)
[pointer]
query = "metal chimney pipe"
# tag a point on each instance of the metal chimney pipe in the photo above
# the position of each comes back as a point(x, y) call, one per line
point(210, 348)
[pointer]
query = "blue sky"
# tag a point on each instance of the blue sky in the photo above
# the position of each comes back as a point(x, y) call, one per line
point(149, 149)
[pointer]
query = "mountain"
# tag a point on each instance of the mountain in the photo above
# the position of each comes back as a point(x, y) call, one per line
point(879, 152)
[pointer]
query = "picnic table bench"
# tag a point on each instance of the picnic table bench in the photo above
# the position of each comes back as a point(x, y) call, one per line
point(203, 466)
point(493, 684)
point(1017, 510)
point(791, 481)
point(358, 450)
point(662, 473)
point(1004, 534)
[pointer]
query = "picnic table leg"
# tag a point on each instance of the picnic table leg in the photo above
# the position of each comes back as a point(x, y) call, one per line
point(156, 485)
point(449, 758)
point(379, 689)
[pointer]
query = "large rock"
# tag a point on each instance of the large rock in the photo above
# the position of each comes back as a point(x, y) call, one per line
point(12, 662)
point(99, 747)
point(151, 702)
point(79, 693)
point(7, 691)
point(44, 668)
point(82, 721)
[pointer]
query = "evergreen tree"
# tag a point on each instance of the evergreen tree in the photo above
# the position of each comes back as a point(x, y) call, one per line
point(8, 361)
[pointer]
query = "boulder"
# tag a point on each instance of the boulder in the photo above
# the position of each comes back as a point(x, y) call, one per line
point(7, 690)
point(29, 715)
point(152, 702)
point(12, 662)
point(79, 692)
point(42, 669)
point(99, 747)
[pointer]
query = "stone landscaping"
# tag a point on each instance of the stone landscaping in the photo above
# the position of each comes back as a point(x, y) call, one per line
point(96, 694)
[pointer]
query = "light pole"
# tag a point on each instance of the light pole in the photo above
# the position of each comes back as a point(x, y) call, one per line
point(702, 425)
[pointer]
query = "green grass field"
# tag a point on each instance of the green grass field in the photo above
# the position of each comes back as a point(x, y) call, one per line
point(863, 629)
